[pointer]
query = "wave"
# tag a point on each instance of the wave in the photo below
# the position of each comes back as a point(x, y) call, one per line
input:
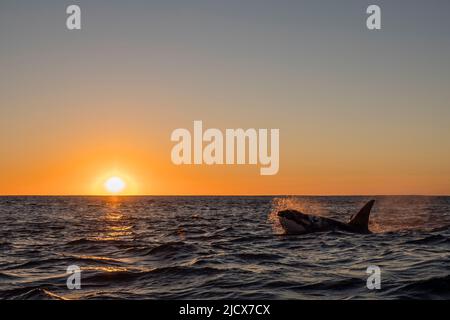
point(31, 293)
point(341, 284)
point(7, 276)
point(94, 241)
point(64, 260)
point(432, 288)
point(112, 277)
point(168, 249)
point(258, 256)
point(428, 240)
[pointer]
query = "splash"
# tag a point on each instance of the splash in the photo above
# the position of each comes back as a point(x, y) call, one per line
point(403, 213)
point(301, 204)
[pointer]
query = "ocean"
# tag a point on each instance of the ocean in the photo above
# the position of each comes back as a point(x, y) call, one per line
point(220, 248)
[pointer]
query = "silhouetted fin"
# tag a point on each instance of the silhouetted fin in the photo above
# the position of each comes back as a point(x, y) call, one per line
point(361, 219)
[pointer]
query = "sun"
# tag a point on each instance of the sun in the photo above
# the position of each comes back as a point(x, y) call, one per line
point(114, 184)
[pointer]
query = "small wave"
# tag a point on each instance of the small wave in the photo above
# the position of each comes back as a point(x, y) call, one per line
point(171, 247)
point(63, 260)
point(439, 286)
point(32, 293)
point(440, 229)
point(34, 263)
point(166, 249)
point(96, 259)
point(341, 284)
point(5, 246)
point(258, 256)
point(7, 276)
point(433, 239)
point(84, 241)
point(79, 242)
point(212, 234)
point(93, 244)
point(96, 277)
point(187, 271)
point(251, 238)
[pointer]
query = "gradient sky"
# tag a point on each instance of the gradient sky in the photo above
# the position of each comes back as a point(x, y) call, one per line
point(359, 111)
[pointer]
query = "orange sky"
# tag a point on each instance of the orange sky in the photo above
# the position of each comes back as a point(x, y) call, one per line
point(83, 166)
point(358, 112)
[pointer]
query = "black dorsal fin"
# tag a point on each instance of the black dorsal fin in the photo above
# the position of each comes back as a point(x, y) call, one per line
point(361, 219)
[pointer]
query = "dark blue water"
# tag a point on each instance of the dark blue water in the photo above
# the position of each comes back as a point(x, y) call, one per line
point(219, 247)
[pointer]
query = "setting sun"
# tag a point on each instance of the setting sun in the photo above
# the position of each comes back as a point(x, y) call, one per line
point(114, 185)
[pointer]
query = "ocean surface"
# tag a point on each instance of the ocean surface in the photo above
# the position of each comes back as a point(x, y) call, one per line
point(220, 248)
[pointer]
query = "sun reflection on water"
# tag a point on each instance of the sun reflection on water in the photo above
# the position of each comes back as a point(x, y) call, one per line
point(115, 222)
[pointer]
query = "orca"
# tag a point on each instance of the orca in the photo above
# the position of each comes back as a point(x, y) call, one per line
point(296, 222)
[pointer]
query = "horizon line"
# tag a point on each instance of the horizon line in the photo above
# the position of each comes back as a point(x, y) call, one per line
point(224, 195)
